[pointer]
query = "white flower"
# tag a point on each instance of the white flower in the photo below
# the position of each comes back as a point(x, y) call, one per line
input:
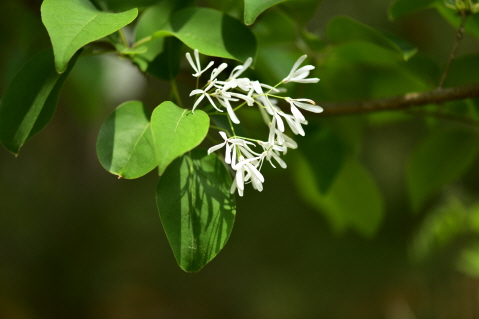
point(230, 143)
point(237, 71)
point(202, 96)
point(197, 66)
point(217, 71)
point(299, 75)
point(310, 105)
point(224, 98)
point(271, 151)
point(245, 172)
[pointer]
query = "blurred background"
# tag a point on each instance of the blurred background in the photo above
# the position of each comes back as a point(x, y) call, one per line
point(76, 242)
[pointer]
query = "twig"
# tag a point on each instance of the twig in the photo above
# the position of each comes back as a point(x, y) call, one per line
point(438, 95)
point(459, 35)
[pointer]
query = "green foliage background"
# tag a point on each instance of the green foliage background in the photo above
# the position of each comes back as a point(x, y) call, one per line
point(382, 223)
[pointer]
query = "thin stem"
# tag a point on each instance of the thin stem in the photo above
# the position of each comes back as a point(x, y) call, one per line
point(141, 41)
point(123, 38)
point(459, 36)
point(231, 126)
point(217, 128)
point(175, 93)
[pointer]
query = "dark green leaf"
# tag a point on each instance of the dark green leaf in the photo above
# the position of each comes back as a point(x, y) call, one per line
point(275, 27)
point(75, 23)
point(196, 208)
point(153, 19)
point(212, 33)
point(176, 131)
point(464, 70)
point(472, 22)
point(301, 10)
point(166, 65)
point(253, 8)
point(324, 152)
point(402, 7)
point(122, 5)
point(30, 100)
point(344, 29)
point(353, 201)
point(441, 158)
point(125, 145)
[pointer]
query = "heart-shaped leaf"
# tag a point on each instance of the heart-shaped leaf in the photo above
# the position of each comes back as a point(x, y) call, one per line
point(125, 144)
point(176, 131)
point(30, 100)
point(75, 23)
point(196, 208)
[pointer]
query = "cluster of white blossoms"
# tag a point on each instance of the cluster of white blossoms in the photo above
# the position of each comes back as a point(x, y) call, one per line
point(240, 91)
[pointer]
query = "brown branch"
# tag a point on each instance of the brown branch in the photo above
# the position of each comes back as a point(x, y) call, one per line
point(438, 95)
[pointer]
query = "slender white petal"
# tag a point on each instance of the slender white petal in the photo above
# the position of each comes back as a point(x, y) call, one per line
point(217, 71)
point(215, 148)
point(228, 154)
point(197, 102)
point(297, 114)
point(190, 61)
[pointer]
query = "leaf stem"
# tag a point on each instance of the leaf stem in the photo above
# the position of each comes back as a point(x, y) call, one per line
point(123, 38)
point(175, 93)
point(141, 41)
point(459, 36)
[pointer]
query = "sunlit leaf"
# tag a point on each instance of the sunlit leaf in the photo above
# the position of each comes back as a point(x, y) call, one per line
point(75, 23)
point(176, 131)
point(212, 33)
point(30, 100)
point(253, 8)
point(196, 208)
point(353, 201)
point(440, 158)
point(125, 144)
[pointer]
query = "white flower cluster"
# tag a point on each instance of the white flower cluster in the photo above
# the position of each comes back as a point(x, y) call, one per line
point(239, 153)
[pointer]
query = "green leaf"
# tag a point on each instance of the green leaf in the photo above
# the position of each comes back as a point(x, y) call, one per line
point(153, 19)
point(125, 144)
point(275, 27)
point(301, 10)
point(253, 8)
point(402, 7)
point(463, 70)
point(440, 158)
point(75, 23)
point(176, 131)
point(30, 100)
point(166, 65)
point(196, 208)
point(122, 5)
point(212, 33)
point(362, 211)
point(344, 29)
point(472, 22)
point(324, 152)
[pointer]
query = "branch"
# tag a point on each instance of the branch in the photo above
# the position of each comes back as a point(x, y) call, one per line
point(406, 101)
